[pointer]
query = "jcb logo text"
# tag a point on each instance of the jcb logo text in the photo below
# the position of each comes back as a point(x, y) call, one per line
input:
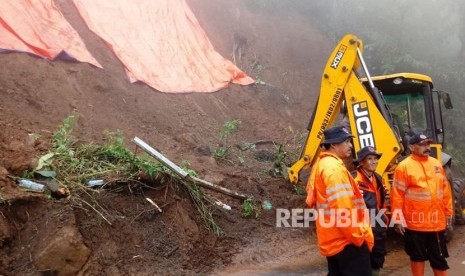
point(363, 123)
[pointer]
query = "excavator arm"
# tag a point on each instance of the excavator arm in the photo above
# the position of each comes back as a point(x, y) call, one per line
point(369, 119)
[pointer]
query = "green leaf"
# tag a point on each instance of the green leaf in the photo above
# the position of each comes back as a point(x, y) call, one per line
point(45, 161)
point(49, 174)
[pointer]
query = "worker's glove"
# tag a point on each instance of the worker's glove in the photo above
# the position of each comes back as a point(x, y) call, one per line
point(399, 228)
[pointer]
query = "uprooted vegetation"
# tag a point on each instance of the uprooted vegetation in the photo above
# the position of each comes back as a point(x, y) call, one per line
point(73, 167)
point(135, 195)
point(82, 171)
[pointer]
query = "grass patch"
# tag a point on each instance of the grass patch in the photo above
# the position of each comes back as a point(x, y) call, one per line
point(76, 163)
point(223, 150)
point(250, 209)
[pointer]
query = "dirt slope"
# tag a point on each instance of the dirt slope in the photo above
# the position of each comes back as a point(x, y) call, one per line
point(287, 55)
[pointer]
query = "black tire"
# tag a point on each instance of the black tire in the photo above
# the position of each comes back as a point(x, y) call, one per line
point(458, 189)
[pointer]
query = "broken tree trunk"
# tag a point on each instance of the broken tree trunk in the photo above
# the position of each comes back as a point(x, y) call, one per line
point(182, 173)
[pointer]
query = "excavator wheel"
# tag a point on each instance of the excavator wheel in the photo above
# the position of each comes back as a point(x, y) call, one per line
point(458, 186)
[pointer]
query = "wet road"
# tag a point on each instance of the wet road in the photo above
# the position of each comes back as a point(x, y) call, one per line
point(272, 259)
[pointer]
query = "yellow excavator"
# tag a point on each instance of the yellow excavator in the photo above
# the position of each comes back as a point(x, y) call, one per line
point(382, 111)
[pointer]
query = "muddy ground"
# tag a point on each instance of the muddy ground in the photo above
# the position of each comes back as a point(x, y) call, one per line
point(40, 235)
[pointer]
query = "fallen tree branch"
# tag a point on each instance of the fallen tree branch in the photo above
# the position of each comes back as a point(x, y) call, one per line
point(160, 157)
point(183, 174)
point(217, 188)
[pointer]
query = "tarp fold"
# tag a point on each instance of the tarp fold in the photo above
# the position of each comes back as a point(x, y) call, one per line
point(161, 43)
point(40, 28)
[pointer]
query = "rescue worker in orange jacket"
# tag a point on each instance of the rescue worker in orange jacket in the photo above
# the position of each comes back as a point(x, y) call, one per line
point(371, 185)
point(344, 235)
point(421, 193)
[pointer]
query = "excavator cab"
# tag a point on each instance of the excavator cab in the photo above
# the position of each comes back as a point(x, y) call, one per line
point(415, 108)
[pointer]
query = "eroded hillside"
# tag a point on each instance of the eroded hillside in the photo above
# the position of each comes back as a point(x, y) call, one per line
point(285, 56)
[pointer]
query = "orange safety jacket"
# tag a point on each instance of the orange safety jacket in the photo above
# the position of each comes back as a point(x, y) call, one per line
point(421, 193)
point(373, 191)
point(374, 194)
point(335, 190)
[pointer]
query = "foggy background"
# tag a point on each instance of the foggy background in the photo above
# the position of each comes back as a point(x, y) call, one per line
point(418, 36)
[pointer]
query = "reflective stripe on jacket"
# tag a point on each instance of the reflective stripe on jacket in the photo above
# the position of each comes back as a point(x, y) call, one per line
point(336, 190)
point(422, 193)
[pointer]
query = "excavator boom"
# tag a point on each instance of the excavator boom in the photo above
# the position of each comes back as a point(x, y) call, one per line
point(367, 113)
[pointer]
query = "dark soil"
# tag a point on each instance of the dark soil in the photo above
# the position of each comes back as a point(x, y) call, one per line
point(43, 235)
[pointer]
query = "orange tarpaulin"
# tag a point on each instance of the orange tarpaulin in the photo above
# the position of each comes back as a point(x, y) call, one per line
point(160, 43)
point(39, 27)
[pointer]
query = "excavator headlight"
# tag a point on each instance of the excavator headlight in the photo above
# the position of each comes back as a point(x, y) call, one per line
point(397, 81)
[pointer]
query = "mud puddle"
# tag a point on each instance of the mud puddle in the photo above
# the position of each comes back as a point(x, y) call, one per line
point(300, 256)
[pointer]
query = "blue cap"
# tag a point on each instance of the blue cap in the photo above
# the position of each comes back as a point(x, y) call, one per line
point(364, 152)
point(419, 138)
point(336, 135)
